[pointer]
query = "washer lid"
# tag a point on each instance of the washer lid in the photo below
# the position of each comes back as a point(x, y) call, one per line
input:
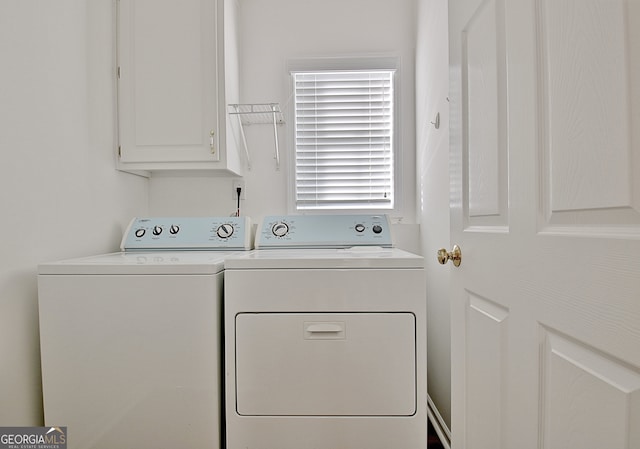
point(324, 258)
point(154, 262)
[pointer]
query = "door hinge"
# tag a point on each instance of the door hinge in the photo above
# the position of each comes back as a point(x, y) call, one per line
point(118, 72)
point(119, 151)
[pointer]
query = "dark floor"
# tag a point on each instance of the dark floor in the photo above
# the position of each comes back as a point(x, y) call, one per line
point(433, 442)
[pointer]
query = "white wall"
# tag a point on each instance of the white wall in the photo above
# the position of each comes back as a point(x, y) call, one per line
point(432, 88)
point(60, 195)
point(271, 33)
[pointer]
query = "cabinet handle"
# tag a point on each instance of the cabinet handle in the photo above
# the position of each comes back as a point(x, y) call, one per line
point(211, 142)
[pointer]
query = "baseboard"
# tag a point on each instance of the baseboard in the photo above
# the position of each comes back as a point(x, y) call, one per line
point(438, 423)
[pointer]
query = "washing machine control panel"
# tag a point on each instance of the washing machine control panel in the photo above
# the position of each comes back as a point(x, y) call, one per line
point(324, 231)
point(188, 233)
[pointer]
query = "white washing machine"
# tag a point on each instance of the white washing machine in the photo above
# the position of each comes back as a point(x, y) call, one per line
point(325, 338)
point(131, 342)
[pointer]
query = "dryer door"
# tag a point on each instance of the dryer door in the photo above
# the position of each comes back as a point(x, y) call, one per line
point(335, 364)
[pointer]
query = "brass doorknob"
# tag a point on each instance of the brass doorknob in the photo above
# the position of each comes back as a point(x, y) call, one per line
point(455, 256)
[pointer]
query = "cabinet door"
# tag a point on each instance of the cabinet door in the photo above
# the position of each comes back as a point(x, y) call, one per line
point(167, 85)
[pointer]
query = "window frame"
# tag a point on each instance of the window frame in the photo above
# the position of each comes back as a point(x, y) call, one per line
point(387, 63)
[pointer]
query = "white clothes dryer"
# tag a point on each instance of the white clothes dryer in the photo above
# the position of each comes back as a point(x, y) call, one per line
point(325, 338)
point(131, 342)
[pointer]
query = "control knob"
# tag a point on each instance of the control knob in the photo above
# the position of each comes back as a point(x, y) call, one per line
point(157, 230)
point(174, 229)
point(360, 228)
point(225, 231)
point(280, 229)
point(377, 229)
point(140, 232)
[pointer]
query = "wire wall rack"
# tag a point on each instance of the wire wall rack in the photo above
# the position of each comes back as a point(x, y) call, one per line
point(258, 114)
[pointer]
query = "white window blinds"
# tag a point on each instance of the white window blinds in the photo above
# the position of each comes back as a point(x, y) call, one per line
point(344, 126)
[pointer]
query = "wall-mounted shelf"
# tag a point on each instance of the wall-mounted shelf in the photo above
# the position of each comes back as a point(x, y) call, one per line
point(258, 114)
point(255, 114)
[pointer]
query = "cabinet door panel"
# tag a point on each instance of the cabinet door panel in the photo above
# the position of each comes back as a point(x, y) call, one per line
point(167, 81)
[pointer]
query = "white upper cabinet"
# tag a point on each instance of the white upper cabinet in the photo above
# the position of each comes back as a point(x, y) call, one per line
point(177, 70)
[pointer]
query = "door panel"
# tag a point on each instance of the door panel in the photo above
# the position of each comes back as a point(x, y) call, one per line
point(586, 109)
point(582, 386)
point(485, 361)
point(484, 117)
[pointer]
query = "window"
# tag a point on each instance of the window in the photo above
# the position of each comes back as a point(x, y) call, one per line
point(344, 140)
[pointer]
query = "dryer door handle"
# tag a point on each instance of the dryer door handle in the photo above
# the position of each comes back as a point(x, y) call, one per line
point(324, 330)
point(324, 327)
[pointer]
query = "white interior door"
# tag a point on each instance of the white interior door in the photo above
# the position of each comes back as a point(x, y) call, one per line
point(545, 205)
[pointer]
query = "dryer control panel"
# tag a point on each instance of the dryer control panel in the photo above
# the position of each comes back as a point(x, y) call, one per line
point(188, 233)
point(324, 231)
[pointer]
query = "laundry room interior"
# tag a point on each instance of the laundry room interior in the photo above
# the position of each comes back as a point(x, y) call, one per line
point(66, 191)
